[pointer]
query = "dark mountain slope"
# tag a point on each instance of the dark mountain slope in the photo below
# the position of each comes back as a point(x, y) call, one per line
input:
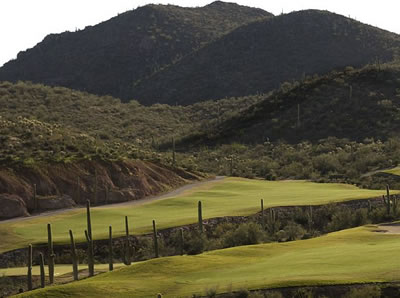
point(356, 104)
point(109, 57)
point(260, 56)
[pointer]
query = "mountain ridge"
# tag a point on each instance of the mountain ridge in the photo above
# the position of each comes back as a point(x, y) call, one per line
point(259, 56)
point(107, 58)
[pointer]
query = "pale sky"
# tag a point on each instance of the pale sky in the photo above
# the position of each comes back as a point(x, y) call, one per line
point(24, 23)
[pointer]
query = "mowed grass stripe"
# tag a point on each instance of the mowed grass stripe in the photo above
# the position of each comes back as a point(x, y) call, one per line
point(60, 269)
point(228, 197)
point(394, 171)
point(349, 256)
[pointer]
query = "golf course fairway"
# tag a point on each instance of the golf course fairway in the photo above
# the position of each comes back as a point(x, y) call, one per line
point(349, 256)
point(226, 197)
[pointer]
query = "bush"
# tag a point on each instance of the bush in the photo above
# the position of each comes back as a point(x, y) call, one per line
point(247, 233)
point(364, 292)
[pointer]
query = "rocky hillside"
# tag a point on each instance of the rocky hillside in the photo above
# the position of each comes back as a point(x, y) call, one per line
point(258, 57)
point(354, 104)
point(30, 110)
point(111, 57)
point(64, 185)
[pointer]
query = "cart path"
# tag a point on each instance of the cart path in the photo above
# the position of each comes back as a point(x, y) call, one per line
point(145, 200)
point(393, 228)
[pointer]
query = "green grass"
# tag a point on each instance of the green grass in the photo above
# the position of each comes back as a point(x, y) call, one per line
point(60, 269)
point(349, 256)
point(231, 196)
point(394, 171)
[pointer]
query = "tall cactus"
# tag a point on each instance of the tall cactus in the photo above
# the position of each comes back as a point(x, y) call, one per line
point(127, 243)
point(50, 253)
point(30, 267)
point(262, 215)
point(110, 249)
point(35, 199)
point(42, 274)
point(78, 189)
point(394, 205)
point(310, 218)
point(74, 256)
point(182, 240)
point(95, 187)
point(155, 239)
point(369, 206)
point(90, 253)
point(388, 199)
point(272, 221)
point(173, 151)
point(88, 219)
point(200, 216)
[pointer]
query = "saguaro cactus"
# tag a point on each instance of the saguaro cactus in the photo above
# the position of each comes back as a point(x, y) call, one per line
point(200, 216)
point(90, 253)
point(262, 214)
point(74, 256)
point(127, 243)
point(50, 253)
point(30, 267)
point(310, 218)
point(42, 274)
point(394, 205)
point(173, 151)
point(95, 187)
point(78, 189)
point(35, 199)
point(155, 239)
point(110, 249)
point(88, 219)
point(387, 199)
point(182, 240)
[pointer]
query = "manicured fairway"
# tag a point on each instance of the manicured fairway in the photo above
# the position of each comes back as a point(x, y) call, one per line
point(60, 269)
point(231, 196)
point(394, 171)
point(349, 256)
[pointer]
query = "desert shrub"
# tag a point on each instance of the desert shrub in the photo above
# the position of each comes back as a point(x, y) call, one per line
point(364, 292)
point(303, 293)
point(273, 295)
point(247, 233)
point(195, 243)
point(294, 231)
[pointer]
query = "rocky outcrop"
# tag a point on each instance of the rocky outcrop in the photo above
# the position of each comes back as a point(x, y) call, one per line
point(65, 185)
point(12, 206)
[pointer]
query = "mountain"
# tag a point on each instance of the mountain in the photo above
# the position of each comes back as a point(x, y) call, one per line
point(258, 57)
point(110, 57)
point(354, 104)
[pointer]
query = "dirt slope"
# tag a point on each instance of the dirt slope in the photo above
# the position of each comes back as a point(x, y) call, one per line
point(65, 185)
